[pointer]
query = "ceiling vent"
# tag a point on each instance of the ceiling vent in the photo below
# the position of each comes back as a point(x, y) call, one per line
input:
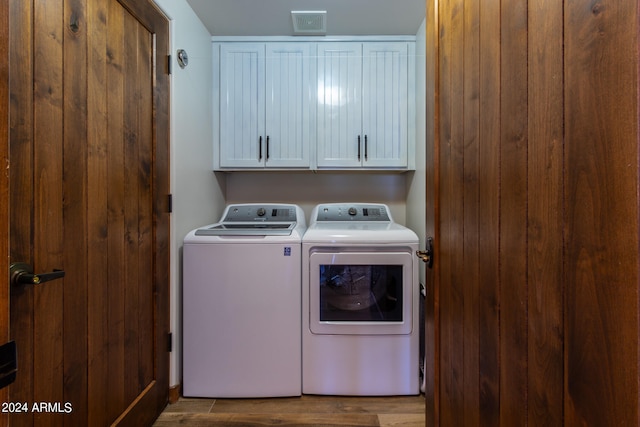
point(309, 22)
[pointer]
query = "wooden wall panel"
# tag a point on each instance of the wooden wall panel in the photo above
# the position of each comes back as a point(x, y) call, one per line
point(48, 98)
point(513, 212)
point(97, 205)
point(535, 136)
point(75, 235)
point(451, 344)
point(488, 212)
point(545, 237)
point(21, 155)
point(601, 216)
point(470, 178)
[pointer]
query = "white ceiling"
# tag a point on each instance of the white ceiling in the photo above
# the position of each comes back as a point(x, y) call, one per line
point(344, 17)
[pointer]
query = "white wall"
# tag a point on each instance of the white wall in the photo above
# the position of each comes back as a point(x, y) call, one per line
point(198, 194)
point(307, 189)
point(416, 181)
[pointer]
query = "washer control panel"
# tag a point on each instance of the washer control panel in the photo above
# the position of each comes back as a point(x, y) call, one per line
point(353, 212)
point(260, 213)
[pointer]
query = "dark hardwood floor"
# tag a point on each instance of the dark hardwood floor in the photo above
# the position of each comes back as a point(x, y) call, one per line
point(397, 411)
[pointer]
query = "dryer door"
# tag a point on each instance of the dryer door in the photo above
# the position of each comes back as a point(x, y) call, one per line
point(361, 293)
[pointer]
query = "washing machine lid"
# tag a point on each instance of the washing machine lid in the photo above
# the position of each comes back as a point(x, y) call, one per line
point(247, 229)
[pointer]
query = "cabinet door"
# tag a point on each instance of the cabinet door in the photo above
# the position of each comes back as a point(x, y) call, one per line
point(385, 102)
point(242, 141)
point(288, 102)
point(339, 104)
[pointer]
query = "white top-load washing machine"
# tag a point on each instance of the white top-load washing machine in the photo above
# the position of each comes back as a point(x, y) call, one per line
point(241, 303)
point(360, 295)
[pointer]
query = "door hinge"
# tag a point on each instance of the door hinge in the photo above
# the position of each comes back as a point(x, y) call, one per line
point(170, 342)
point(170, 203)
point(169, 68)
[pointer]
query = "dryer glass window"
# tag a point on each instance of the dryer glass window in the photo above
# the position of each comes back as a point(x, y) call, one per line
point(361, 293)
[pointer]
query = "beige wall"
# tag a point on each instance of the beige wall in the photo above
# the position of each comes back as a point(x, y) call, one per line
point(307, 189)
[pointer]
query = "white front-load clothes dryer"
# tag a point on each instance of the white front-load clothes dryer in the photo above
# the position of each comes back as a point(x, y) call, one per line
point(360, 295)
point(241, 304)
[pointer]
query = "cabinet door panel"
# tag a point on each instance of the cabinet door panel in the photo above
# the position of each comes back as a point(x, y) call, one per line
point(288, 102)
point(339, 104)
point(385, 102)
point(241, 105)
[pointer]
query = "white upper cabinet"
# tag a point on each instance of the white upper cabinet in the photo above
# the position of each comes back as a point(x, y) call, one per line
point(285, 104)
point(363, 105)
point(242, 105)
point(265, 105)
point(340, 136)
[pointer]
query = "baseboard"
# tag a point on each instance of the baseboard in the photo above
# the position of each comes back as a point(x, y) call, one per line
point(174, 393)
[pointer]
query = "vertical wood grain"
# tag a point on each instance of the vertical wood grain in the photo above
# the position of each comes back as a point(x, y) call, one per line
point(98, 20)
point(550, 206)
point(472, 257)
point(545, 213)
point(601, 216)
point(450, 389)
point(48, 209)
point(74, 150)
point(144, 175)
point(490, 92)
point(88, 118)
point(513, 212)
point(4, 187)
point(131, 266)
point(21, 176)
point(116, 190)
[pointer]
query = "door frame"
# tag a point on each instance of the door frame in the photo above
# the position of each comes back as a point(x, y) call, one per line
point(4, 183)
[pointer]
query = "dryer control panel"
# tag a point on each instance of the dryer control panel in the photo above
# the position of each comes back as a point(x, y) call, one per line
point(353, 212)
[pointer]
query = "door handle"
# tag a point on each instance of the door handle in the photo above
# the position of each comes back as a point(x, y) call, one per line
point(427, 255)
point(22, 274)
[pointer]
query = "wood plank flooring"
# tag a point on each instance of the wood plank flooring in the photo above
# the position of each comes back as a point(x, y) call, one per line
point(318, 411)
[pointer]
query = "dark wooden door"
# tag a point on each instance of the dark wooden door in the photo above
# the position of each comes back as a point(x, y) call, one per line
point(535, 147)
point(88, 190)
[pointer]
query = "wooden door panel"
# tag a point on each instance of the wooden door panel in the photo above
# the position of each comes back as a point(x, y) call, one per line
point(89, 139)
point(21, 202)
point(536, 276)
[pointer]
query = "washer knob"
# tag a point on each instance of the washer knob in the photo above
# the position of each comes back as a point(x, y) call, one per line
point(353, 211)
point(261, 211)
